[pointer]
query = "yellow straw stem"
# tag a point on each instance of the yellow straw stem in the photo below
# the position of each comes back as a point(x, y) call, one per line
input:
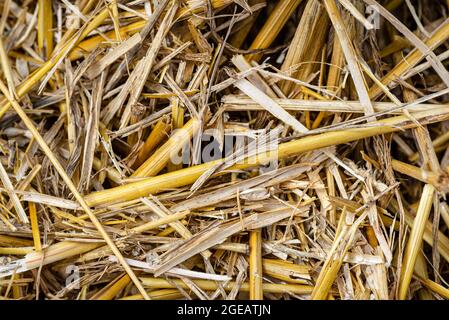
point(157, 135)
point(255, 265)
point(37, 75)
point(437, 288)
point(415, 240)
point(188, 176)
point(91, 43)
point(45, 26)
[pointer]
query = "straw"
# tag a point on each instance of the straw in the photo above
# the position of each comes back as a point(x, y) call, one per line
point(224, 150)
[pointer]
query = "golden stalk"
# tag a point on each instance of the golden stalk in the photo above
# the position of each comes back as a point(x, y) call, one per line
point(343, 239)
point(212, 285)
point(430, 177)
point(189, 175)
point(274, 24)
point(350, 55)
point(395, 46)
point(13, 196)
point(157, 135)
point(110, 291)
point(154, 164)
point(45, 26)
point(421, 271)
point(37, 136)
point(4, 60)
point(415, 240)
point(111, 172)
point(15, 242)
point(239, 37)
point(159, 222)
point(255, 265)
point(16, 251)
point(286, 271)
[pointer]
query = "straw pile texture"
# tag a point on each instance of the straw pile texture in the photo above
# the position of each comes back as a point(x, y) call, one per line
point(224, 149)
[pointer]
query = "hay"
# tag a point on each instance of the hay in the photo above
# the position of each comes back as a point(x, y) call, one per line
point(224, 149)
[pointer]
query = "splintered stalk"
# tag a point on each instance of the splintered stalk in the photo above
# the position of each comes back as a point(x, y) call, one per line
point(443, 242)
point(274, 24)
point(255, 265)
point(286, 271)
point(56, 252)
point(415, 240)
point(301, 41)
point(16, 251)
point(153, 165)
point(268, 104)
point(438, 142)
point(46, 149)
point(356, 14)
point(189, 175)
